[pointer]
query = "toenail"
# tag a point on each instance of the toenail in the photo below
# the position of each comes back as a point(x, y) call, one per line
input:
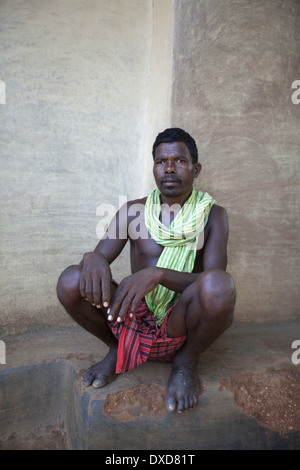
point(96, 383)
point(171, 407)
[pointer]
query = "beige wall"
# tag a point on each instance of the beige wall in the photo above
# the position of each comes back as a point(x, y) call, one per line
point(89, 83)
point(234, 66)
point(72, 135)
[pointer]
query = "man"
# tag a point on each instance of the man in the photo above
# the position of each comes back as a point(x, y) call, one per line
point(179, 298)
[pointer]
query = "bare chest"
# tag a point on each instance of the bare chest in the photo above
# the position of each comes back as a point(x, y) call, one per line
point(145, 252)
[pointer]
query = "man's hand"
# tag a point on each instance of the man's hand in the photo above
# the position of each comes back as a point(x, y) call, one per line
point(95, 279)
point(131, 291)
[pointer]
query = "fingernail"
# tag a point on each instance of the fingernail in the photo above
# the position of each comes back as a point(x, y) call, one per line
point(109, 317)
point(105, 304)
point(131, 315)
point(108, 310)
point(98, 306)
point(119, 319)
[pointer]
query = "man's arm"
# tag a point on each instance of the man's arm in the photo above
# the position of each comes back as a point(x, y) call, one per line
point(95, 278)
point(214, 253)
point(133, 288)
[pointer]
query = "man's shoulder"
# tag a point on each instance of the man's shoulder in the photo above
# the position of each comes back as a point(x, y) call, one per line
point(133, 205)
point(141, 201)
point(132, 209)
point(218, 211)
point(218, 215)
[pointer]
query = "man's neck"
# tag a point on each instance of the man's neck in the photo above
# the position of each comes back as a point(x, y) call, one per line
point(170, 206)
point(174, 200)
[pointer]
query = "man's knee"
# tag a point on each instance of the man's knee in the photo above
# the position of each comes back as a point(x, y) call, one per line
point(213, 296)
point(68, 285)
point(217, 294)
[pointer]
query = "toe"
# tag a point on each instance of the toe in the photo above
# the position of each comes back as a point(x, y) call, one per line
point(170, 404)
point(97, 383)
point(87, 379)
point(181, 405)
point(187, 403)
point(191, 403)
point(195, 400)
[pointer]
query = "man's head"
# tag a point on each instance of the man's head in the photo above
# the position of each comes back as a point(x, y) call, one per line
point(175, 134)
point(175, 163)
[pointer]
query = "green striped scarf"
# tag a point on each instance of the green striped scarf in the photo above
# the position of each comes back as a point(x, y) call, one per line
point(179, 241)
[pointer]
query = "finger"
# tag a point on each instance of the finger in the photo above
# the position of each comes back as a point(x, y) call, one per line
point(134, 305)
point(97, 299)
point(116, 303)
point(113, 308)
point(120, 306)
point(82, 286)
point(112, 300)
point(89, 291)
point(123, 310)
point(105, 291)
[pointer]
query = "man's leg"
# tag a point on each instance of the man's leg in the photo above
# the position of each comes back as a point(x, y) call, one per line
point(91, 319)
point(204, 312)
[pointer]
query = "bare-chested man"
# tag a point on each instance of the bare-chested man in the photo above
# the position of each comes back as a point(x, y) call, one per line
point(202, 305)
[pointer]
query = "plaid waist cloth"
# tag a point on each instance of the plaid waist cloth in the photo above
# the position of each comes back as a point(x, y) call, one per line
point(141, 339)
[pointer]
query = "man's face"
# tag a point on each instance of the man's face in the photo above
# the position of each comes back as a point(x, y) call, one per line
point(173, 170)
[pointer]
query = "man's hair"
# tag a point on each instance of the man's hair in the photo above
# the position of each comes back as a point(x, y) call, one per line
point(175, 134)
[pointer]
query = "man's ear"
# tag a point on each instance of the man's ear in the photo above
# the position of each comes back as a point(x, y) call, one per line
point(197, 168)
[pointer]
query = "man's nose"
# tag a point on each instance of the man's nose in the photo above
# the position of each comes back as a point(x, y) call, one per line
point(170, 167)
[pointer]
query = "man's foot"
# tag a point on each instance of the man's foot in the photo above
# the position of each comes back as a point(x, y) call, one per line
point(183, 388)
point(101, 373)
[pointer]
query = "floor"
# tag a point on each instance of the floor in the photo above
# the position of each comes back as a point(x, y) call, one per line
point(250, 391)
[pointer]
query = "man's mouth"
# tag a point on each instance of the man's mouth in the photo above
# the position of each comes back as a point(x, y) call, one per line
point(171, 180)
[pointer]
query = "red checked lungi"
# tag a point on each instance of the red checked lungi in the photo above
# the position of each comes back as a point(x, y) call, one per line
point(141, 339)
